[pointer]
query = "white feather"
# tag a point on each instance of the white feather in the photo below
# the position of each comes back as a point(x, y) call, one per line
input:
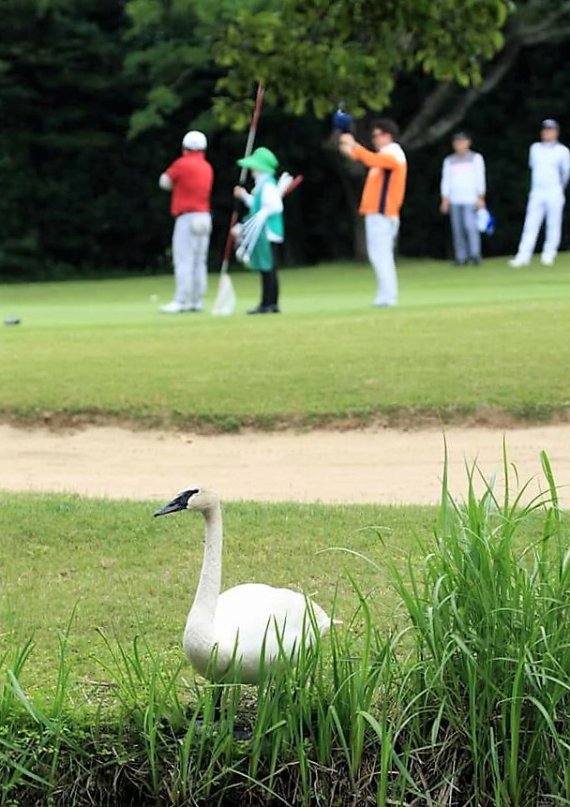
point(243, 632)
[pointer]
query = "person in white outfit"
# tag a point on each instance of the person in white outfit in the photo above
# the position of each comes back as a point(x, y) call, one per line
point(463, 190)
point(549, 163)
point(190, 178)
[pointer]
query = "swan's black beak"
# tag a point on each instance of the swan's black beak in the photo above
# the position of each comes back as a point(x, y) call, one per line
point(178, 503)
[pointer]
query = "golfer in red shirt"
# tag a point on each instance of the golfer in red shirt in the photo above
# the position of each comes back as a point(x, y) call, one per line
point(190, 178)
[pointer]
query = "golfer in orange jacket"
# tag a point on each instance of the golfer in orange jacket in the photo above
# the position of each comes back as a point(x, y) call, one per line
point(381, 201)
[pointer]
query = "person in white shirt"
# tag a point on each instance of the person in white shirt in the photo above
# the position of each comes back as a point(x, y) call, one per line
point(549, 163)
point(463, 190)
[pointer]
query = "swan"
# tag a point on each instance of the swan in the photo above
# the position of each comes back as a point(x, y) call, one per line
point(240, 634)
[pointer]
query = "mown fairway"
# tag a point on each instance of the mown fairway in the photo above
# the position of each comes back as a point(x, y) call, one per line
point(462, 339)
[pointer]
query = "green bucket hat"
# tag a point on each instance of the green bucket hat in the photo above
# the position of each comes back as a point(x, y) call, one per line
point(262, 159)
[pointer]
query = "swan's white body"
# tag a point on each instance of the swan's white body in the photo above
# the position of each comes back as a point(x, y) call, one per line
point(242, 632)
point(250, 621)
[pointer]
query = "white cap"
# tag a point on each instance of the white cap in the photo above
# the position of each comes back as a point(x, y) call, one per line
point(195, 141)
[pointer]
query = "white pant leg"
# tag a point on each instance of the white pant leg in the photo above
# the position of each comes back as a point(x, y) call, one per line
point(472, 232)
point(182, 258)
point(535, 212)
point(554, 210)
point(381, 232)
point(201, 228)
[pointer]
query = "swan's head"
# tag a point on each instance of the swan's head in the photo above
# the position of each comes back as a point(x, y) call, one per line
point(194, 499)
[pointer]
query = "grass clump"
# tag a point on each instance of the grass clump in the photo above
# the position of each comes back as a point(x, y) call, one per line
point(488, 692)
point(465, 700)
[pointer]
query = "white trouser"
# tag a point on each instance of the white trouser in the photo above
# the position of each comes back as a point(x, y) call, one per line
point(190, 242)
point(541, 205)
point(381, 232)
point(466, 237)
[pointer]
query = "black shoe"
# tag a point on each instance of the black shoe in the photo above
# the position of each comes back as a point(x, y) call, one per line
point(460, 263)
point(265, 309)
point(475, 261)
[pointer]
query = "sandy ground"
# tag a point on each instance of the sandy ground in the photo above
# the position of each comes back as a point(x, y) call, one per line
point(385, 466)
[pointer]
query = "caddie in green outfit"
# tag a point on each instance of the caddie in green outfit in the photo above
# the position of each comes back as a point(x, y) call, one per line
point(262, 231)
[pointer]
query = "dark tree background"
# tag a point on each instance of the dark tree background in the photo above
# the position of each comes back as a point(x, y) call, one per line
point(79, 193)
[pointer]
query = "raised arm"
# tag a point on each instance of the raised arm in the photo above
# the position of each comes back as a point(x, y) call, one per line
point(372, 159)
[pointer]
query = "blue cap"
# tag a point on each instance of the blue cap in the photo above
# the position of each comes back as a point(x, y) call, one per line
point(342, 121)
point(549, 123)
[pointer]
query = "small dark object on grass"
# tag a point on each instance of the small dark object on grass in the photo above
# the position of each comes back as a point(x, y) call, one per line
point(12, 321)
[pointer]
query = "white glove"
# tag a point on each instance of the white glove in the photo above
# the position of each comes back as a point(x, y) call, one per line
point(283, 183)
point(165, 182)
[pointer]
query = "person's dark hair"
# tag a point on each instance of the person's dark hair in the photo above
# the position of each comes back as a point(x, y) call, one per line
point(388, 126)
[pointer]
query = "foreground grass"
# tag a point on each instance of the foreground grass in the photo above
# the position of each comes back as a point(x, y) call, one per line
point(462, 699)
point(461, 340)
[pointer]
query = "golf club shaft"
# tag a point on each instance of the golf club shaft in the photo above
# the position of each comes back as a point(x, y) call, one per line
point(243, 174)
point(252, 129)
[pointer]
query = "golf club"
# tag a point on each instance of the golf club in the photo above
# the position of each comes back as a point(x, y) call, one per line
point(225, 301)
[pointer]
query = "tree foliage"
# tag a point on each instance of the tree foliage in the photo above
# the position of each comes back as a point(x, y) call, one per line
point(445, 105)
point(311, 53)
point(95, 96)
point(63, 109)
point(171, 49)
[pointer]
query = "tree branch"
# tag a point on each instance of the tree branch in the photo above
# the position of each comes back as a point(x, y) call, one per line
point(422, 132)
point(428, 110)
point(548, 32)
point(545, 28)
point(452, 118)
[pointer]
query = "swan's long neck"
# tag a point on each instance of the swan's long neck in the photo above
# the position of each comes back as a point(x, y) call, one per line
point(211, 575)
